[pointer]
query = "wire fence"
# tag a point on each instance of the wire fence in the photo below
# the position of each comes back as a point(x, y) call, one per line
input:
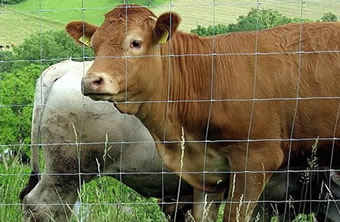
point(83, 140)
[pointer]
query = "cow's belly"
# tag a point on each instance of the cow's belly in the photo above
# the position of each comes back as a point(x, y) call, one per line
point(204, 170)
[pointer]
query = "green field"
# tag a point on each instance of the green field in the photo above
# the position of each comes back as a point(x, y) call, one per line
point(64, 11)
point(16, 26)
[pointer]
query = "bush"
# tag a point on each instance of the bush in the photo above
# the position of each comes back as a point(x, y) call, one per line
point(259, 19)
point(329, 17)
point(19, 70)
point(6, 58)
point(16, 103)
point(211, 30)
point(51, 47)
point(48, 48)
point(12, 2)
point(254, 20)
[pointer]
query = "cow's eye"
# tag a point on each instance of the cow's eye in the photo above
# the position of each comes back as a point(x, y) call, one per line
point(135, 44)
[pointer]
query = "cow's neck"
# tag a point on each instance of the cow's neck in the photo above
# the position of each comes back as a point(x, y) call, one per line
point(187, 73)
point(190, 67)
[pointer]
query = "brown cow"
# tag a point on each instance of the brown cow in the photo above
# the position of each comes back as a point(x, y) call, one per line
point(249, 102)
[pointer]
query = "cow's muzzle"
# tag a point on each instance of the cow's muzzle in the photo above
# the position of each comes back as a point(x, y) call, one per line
point(99, 87)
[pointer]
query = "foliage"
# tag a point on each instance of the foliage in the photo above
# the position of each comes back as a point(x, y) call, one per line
point(6, 58)
point(12, 1)
point(50, 47)
point(304, 218)
point(47, 48)
point(211, 30)
point(19, 70)
point(16, 98)
point(254, 20)
point(329, 17)
point(139, 2)
point(14, 177)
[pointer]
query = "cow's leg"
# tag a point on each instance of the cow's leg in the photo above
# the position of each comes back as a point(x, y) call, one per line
point(182, 208)
point(51, 199)
point(246, 188)
point(205, 206)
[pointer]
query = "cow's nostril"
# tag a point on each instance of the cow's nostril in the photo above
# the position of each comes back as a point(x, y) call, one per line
point(98, 81)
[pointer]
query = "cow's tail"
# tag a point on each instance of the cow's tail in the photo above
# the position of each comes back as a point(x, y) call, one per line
point(35, 132)
point(35, 138)
point(42, 90)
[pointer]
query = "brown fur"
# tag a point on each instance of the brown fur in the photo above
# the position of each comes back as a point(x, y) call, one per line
point(274, 66)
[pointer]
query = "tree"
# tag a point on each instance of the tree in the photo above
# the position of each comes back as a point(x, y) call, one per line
point(329, 17)
point(6, 58)
point(12, 2)
point(256, 19)
point(44, 48)
point(16, 103)
point(259, 19)
point(211, 30)
point(19, 71)
point(51, 46)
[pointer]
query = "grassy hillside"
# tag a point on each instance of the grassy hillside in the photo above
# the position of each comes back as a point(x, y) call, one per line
point(204, 12)
point(15, 27)
point(193, 12)
point(64, 10)
point(19, 21)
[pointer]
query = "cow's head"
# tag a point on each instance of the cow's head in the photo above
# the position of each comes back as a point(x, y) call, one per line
point(127, 49)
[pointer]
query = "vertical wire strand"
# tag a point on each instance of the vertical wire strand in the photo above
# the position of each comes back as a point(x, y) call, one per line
point(167, 104)
point(332, 157)
point(252, 105)
point(83, 104)
point(122, 145)
point(295, 111)
point(213, 57)
point(42, 78)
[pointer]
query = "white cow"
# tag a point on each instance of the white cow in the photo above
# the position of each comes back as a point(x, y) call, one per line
point(80, 137)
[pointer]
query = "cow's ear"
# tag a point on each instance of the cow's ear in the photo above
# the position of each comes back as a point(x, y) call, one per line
point(166, 26)
point(81, 32)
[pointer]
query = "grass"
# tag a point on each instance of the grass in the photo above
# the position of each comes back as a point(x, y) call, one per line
point(13, 178)
point(104, 199)
point(64, 11)
point(15, 26)
point(203, 12)
point(18, 26)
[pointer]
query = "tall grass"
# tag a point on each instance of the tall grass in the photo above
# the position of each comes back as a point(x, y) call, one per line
point(106, 199)
point(13, 177)
point(103, 199)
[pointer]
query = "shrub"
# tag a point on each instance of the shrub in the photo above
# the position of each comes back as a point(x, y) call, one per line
point(19, 70)
point(16, 103)
point(254, 20)
point(50, 47)
point(12, 2)
point(47, 47)
point(329, 17)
